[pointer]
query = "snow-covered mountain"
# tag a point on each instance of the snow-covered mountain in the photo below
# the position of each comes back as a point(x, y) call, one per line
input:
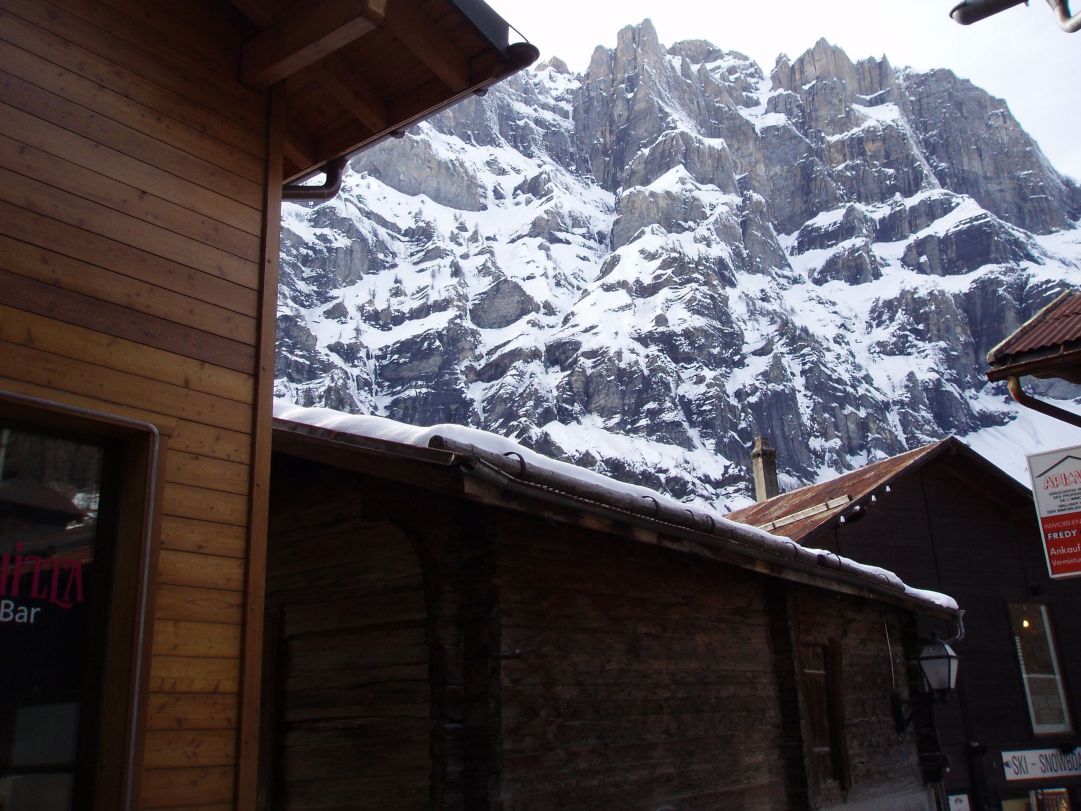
point(640, 268)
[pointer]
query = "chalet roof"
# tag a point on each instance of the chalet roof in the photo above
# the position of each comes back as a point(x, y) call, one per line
point(483, 467)
point(807, 512)
point(355, 71)
point(1047, 345)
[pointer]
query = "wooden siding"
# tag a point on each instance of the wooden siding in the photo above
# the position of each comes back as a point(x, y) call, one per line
point(632, 677)
point(566, 667)
point(870, 659)
point(945, 528)
point(347, 665)
point(132, 241)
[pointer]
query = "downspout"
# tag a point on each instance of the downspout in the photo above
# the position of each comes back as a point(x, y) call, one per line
point(1068, 23)
point(335, 171)
point(1013, 382)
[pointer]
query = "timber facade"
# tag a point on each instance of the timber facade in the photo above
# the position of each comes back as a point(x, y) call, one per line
point(448, 628)
point(143, 148)
point(135, 222)
point(944, 518)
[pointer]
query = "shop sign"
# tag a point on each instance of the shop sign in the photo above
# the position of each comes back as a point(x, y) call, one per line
point(1036, 764)
point(1056, 488)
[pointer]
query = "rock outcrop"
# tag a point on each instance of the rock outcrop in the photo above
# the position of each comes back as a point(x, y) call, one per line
point(641, 267)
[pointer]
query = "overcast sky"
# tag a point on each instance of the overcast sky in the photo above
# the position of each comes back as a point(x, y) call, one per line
point(1020, 55)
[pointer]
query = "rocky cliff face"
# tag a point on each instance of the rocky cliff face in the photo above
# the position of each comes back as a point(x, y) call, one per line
point(641, 267)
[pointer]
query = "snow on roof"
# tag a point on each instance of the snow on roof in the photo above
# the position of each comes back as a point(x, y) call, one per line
point(392, 431)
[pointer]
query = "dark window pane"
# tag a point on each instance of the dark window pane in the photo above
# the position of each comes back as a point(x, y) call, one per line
point(55, 568)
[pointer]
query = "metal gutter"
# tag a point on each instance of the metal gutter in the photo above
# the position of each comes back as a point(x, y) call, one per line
point(1013, 383)
point(449, 466)
point(512, 473)
point(1053, 362)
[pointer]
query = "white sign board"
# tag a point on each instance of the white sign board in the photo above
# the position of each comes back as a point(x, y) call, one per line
point(1056, 487)
point(959, 802)
point(1037, 764)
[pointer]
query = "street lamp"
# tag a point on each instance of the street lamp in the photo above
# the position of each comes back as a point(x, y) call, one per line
point(938, 672)
point(938, 664)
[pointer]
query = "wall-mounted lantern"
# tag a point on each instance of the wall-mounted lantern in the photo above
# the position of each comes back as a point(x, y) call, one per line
point(938, 671)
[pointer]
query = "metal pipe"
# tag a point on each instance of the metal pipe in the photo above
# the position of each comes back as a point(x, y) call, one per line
point(960, 635)
point(335, 171)
point(1069, 23)
point(1013, 383)
point(971, 11)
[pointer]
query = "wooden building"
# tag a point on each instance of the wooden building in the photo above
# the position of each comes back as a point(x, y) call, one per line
point(944, 518)
point(453, 622)
point(1048, 345)
point(143, 149)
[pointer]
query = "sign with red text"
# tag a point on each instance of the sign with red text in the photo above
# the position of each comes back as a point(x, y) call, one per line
point(1056, 487)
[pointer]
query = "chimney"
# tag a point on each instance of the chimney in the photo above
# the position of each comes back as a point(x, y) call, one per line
point(764, 463)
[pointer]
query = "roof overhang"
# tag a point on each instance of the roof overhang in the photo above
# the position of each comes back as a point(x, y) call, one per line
point(808, 513)
point(508, 483)
point(1063, 362)
point(356, 71)
point(1048, 345)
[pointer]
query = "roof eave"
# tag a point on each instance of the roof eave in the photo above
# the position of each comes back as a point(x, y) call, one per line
point(1062, 361)
point(486, 477)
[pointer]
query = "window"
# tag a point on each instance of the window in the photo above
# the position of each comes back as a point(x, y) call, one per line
point(1039, 668)
point(74, 495)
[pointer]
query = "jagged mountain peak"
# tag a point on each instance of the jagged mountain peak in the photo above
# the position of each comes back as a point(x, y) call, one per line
point(554, 63)
point(640, 267)
point(826, 61)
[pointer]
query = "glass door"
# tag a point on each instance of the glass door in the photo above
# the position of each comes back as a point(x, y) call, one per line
point(56, 563)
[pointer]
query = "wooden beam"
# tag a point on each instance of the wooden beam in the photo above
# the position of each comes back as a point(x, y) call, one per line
point(260, 14)
point(298, 147)
point(402, 112)
point(431, 47)
point(354, 94)
point(314, 32)
point(247, 768)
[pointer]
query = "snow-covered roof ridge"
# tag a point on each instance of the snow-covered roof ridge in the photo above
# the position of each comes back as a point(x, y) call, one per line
point(616, 494)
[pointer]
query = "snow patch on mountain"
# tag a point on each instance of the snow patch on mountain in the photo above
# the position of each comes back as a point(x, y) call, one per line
point(639, 268)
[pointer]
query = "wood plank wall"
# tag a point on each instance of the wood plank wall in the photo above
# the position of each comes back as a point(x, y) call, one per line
point(132, 212)
point(926, 531)
point(349, 706)
point(872, 642)
point(632, 677)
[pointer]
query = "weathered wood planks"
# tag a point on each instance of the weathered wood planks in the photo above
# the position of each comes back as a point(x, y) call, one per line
point(352, 717)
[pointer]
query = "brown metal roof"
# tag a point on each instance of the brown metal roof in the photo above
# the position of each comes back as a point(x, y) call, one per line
point(799, 513)
point(807, 512)
point(1047, 345)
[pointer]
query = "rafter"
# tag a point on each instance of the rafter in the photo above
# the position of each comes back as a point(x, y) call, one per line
point(356, 95)
point(298, 149)
point(300, 40)
point(437, 53)
point(259, 13)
